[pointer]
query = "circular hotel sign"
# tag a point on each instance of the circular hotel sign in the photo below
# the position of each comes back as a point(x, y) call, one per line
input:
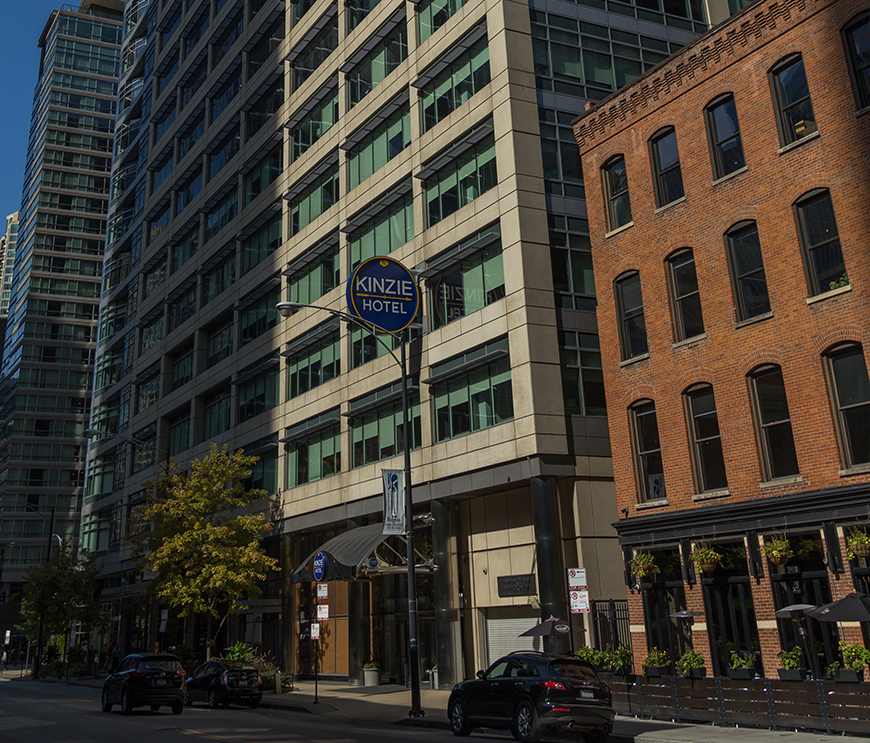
point(384, 294)
point(319, 565)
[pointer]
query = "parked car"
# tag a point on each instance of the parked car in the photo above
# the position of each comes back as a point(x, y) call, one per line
point(222, 682)
point(145, 680)
point(529, 692)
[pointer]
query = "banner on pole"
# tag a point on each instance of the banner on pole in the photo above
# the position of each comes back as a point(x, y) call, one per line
point(394, 501)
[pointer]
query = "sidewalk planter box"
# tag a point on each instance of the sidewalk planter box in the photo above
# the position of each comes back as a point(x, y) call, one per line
point(657, 671)
point(741, 674)
point(793, 674)
point(846, 676)
point(371, 676)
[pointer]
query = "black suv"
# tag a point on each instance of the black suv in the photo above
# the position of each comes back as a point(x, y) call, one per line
point(529, 691)
point(145, 680)
point(220, 682)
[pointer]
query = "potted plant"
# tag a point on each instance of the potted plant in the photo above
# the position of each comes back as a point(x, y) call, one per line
point(372, 673)
point(854, 658)
point(619, 660)
point(791, 661)
point(643, 564)
point(597, 658)
point(705, 557)
point(778, 550)
point(742, 666)
point(657, 662)
point(691, 665)
point(858, 544)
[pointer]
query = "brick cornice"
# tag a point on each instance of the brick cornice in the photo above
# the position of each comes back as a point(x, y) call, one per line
point(737, 37)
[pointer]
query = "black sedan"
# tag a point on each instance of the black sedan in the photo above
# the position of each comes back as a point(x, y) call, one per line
point(222, 682)
point(529, 692)
point(145, 680)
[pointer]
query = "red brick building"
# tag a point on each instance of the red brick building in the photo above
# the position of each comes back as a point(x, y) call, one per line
point(729, 204)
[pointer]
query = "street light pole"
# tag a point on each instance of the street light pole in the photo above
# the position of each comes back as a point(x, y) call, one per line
point(37, 662)
point(286, 310)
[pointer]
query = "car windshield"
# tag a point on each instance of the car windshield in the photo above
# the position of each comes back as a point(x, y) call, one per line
point(161, 664)
point(573, 669)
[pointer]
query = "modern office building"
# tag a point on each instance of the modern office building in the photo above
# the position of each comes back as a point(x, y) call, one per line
point(263, 151)
point(54, 290)
point(728, 205)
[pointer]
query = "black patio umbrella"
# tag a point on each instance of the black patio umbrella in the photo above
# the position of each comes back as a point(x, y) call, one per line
point(794, 611)
point(552, 626)
point(852, 608)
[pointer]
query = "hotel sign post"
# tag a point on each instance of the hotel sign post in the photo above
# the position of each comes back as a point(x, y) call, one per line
point(383, 298)
point(383, 294)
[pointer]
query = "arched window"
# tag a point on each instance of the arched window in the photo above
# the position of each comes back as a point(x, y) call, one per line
point(748, 279)
point(723, 130)
point(773, 422)
point(647, 451)
point(856, 37)
point(685, 297)
point(706, 439)
point(791, 98)
point(850, 393)
point(667, 175)
point(629, 311)
point(820, 242)
point(616, 193)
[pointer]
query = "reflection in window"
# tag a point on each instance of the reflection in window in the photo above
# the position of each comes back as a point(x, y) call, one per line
point(820, 241)
point(778, 456)
point(647, 452)
point(467, 286)
point(629, 307)
point(616, 190)
point(791, 93)
point(748, 279)
point(686, 298)
point(666, 168)
point(847, 372)
point(857, 40)
point(725, 142)
point(706, 439)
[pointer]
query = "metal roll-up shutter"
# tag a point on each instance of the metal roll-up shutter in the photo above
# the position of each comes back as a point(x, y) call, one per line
point(502, 636)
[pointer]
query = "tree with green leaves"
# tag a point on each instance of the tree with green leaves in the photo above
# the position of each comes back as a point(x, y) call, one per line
point(58, 591)
point(201, 541)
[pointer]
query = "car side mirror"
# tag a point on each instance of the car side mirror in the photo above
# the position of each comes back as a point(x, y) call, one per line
point(480, 674)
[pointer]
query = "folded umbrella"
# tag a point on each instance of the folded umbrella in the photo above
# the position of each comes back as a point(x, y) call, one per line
point(852, 608)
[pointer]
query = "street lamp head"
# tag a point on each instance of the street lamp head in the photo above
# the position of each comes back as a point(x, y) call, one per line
point(91, 433)
point(286, 308)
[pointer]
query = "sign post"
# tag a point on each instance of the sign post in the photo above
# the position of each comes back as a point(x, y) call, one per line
point(384, 295)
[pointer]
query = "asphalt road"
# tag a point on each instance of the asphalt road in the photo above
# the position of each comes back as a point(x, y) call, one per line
point(62, 713)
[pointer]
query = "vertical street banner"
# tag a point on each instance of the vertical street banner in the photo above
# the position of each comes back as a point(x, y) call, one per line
point(394, 501)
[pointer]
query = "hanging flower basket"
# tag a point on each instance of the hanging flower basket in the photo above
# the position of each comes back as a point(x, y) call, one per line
point(858, 544)
point(861, 550)
point(778, 550)
point(705, 557)
point(708, 565)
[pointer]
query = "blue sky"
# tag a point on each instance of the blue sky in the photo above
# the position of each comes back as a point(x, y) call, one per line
point(19, 62)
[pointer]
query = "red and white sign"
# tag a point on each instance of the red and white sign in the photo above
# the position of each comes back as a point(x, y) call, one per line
point(579, 602)
point(576, 579)
point(322, 590)
point(315, 631)
point(322, 612)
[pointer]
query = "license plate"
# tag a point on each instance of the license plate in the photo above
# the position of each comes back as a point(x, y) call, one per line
point(161, 682)
point(586, 694)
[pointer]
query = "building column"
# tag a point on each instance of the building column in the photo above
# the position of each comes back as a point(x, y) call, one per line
point(289, 611)
point(446, 585)
point(359, 631)
point(551, 576)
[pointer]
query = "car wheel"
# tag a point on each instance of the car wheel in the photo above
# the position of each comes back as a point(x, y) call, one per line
point(526, 728)
point(598, 736)
point(212, 699)
point(107, 705)
point(155, 707)
point(187, 699)
point(177, 707)
point(126, 705)
point(459, 722)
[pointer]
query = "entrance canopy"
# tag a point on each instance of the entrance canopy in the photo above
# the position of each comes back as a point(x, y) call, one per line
point(360, 552)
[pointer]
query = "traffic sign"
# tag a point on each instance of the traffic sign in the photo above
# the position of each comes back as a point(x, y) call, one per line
point(319, 565)
point(579, 602)
point(315, 631)
point(322, 612)
point(384, 294)
point(322, 590)
point(576, 579)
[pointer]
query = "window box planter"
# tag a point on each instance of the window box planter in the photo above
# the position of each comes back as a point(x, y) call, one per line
point(657, 671)
point(845, 676)
point(793, 674)
point(696, 673)
point(741, 674)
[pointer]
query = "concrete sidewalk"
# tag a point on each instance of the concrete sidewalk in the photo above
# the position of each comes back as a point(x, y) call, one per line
point(389, 705)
